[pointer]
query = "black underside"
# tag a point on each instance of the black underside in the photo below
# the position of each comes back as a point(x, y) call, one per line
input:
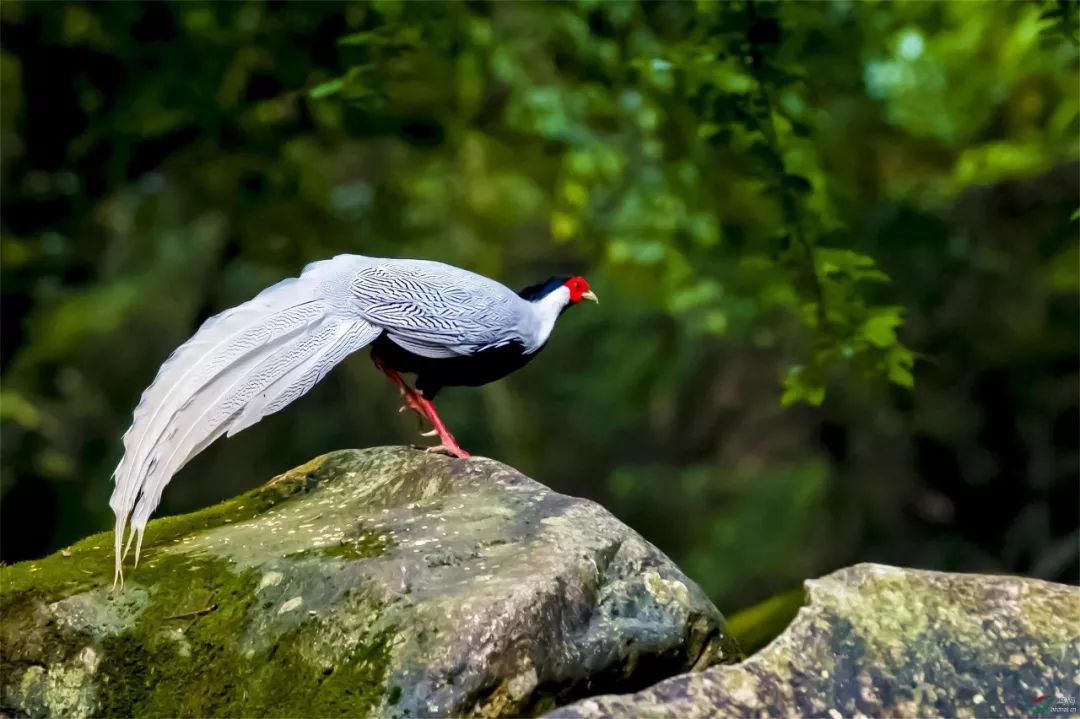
point(434, 374)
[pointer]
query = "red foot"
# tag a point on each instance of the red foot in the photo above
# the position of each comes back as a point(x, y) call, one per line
point(447, 443)
point(451, 449)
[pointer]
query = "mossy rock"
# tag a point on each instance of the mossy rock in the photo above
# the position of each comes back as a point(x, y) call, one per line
point(879, 641)
point(383, 582)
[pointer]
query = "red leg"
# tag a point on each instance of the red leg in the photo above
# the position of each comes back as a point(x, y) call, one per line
point(411, 398)
point(407, 392)
point(423, 407)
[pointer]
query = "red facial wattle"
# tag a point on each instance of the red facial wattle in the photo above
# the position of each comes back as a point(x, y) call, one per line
point(579, 290)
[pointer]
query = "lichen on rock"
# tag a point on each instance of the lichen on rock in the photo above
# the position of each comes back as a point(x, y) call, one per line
point(874, 640)
point(383, 582)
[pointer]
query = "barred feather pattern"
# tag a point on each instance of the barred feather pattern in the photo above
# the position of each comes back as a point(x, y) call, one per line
point(251, 361)
point(437, 310)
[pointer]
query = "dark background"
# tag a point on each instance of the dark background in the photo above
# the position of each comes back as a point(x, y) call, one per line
point(731, 179)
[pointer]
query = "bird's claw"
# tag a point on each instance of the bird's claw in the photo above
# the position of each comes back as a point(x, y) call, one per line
point(449, 449)
point(430, 433)
point(411, 403)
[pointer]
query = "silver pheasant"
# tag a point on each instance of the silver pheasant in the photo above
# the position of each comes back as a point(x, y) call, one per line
point(448, 325)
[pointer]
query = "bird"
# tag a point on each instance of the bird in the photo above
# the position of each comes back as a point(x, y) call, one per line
point(446, 325)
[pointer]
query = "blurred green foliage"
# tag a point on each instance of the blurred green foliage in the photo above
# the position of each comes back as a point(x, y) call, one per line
point(739, 181)
point(644, 118)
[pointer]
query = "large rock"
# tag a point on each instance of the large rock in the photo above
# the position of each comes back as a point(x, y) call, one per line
point(881, 641)
point(382, 582)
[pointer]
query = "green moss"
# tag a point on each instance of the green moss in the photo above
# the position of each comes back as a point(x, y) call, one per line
point(89, 562)
point(197, 643)
point(366, 545)
point(187, 655)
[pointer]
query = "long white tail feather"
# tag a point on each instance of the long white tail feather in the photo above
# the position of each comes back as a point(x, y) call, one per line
point(152, 468)
point(215, 332)
point(350, 337)
point(209, 419)
point(219, 341)
point(208, 414)
point(240, 366)
point(206, 363)
point(195, 364)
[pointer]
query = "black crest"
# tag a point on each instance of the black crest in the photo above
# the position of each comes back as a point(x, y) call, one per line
point(543, 289)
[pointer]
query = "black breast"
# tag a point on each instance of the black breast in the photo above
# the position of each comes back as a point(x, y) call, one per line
point(434, 374)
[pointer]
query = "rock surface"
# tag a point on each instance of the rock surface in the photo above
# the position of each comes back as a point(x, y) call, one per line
point(882, 641)
point(380, 582)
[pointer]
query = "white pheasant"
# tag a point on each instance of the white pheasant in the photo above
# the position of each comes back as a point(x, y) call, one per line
point(447, 325)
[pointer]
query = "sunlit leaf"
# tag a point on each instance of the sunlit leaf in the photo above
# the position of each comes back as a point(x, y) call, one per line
point(327, 89)
point(802, 386)
point(880, 329)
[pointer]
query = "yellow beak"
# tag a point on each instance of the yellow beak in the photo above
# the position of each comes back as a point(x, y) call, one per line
point(591, 296)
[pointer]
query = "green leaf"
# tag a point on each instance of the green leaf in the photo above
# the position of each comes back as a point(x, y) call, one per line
point(716, 322)
point(900, 363)
point(880, 329)
point(16, 407)
point(1064, 270)
point(801, 386)
point(326, 89)
point(859, 267)
point(358, 38)
point(694, 295)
